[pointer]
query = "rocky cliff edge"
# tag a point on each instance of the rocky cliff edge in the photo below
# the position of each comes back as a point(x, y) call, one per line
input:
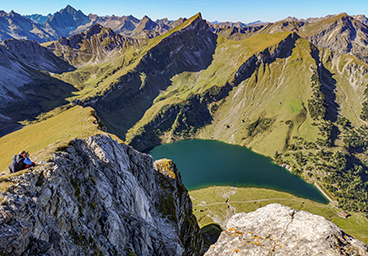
point(98, 197)
point(280, 230)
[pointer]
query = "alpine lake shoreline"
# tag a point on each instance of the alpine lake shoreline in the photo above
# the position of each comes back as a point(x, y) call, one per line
point(214, 204)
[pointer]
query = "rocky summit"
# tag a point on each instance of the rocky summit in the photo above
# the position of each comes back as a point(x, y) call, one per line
point(98, 197)
point(280, 230)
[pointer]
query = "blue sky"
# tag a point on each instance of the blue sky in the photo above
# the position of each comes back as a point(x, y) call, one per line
point(221, 10)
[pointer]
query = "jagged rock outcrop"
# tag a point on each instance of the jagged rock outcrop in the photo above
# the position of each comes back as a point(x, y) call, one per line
point(120, 24)
point(280, 230)
point(98, 197)
point(92, 46)
point(343, 35)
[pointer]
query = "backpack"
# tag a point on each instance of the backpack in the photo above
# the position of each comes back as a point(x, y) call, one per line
point(13, 164)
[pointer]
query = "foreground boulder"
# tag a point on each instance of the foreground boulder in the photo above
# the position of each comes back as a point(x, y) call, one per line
point(98, 197)
point(280, 230)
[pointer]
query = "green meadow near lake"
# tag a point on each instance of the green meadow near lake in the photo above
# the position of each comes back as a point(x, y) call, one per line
point(204, 163)
point(224, 179)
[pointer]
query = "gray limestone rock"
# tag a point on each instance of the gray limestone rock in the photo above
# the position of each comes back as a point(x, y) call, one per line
point(98, 197)
point(280, 230)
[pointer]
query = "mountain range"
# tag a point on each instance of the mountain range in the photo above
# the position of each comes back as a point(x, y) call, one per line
point(69, 21)
point(294, 90)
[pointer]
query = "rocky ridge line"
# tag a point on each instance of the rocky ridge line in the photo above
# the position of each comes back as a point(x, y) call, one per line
point(98, 197)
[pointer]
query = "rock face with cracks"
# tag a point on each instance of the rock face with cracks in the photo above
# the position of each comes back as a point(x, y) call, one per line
point(98, 197)
point(280, 230)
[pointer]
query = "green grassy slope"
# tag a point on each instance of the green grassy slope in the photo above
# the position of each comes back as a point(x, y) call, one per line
point(202, 89)
point(44, 137)
point(279, 91)
point(274, 92)
point(341, 33)
point(128, 84)
point(302, 28)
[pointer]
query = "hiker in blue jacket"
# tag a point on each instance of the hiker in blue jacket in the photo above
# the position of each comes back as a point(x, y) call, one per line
point(20, 162)
point(28, 161)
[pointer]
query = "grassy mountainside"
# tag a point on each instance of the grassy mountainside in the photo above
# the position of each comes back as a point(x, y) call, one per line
point(105, 76)
point(48, 135)
point(236, 89)
point(341, 33)
point(194, 97)
point(129, 84)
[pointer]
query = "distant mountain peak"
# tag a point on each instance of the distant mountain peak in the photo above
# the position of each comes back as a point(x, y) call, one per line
point(67, 18)
point(69, 8)
point(342, 13)
point(145, 24)
point(257, 22)
point(95, 29)
point(13, 14)
point(291, 19)
point(145, 17)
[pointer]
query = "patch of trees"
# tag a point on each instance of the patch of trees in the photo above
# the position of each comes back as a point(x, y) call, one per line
point(343, 122)
point(342, 173)
point(350, 187)
point(356, 138)
point(325, 128)
point(300, 159)
point(316, 105)
point(364, 113)
point(259, 126)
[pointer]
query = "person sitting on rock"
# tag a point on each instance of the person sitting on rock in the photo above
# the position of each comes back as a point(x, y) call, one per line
point(28, 161)
point(20, 162)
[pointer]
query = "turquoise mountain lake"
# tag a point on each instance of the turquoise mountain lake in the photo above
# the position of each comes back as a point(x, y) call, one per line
point(204, 163)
